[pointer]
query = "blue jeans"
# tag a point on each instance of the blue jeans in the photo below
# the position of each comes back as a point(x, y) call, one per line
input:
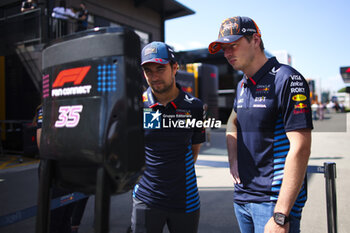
point(252, 217)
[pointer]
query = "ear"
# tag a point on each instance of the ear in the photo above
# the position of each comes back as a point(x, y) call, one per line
point(257, 39)
point(175, 68)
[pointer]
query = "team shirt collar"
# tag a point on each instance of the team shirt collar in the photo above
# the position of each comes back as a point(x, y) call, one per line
point(152, 101)
point(271, 62)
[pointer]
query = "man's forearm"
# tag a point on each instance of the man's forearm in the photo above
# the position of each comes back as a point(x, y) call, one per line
point(231, 137)
point(195, 150)
point(231, 141)
point(294, 173)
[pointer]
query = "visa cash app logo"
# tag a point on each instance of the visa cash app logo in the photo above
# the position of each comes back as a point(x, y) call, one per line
point(151, 119)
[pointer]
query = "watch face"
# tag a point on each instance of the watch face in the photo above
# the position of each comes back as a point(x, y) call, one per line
point(280, 219)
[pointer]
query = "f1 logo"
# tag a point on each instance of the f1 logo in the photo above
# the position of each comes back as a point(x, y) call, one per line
point(75, 75)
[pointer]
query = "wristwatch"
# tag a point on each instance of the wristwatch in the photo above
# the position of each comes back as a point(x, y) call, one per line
point(280, 218)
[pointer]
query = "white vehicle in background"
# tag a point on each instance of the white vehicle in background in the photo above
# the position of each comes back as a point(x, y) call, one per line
point(343, 99)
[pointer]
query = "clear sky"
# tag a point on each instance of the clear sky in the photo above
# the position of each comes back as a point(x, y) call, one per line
point(316, 33)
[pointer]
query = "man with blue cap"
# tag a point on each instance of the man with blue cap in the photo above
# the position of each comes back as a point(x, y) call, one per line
point(268, 132)
point(167, 193)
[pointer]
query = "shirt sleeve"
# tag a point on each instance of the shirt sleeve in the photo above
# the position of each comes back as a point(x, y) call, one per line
point(199, 133)
point(238, 90)
point(235, 103)
point(295, 103)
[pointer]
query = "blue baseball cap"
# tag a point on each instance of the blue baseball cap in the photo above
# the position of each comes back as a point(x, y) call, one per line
point(157, 52)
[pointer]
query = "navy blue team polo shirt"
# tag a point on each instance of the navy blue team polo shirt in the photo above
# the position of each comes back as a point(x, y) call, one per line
point(39, 118)
point(169, 181)
point(269, 104)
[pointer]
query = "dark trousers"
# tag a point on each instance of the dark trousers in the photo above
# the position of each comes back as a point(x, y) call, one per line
point(147, 219)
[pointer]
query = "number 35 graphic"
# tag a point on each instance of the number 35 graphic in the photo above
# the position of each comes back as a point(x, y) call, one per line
point(69, 116)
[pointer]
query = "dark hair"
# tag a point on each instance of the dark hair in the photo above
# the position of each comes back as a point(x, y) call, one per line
point(250, 37)
point(171, 62)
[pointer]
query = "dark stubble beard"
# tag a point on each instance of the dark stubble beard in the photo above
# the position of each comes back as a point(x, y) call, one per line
point(165, 88)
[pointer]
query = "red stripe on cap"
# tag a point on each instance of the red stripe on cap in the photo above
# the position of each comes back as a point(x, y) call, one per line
point(174, 105)
point(348, 70)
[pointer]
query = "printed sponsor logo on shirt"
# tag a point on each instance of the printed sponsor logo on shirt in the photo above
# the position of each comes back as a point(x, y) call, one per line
point(296, 84)
point(300, 106)
point(263, 89)
point(274, 71)
point(259, 106)
point(304, 110)
point(297, 90)
point(260, 99)
point(299, 97)
point(266, 89)
point(188, 99)
point(40, 118)
point(144, 97)
point(240, 101)
point(296, 77)
point(183, 113)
